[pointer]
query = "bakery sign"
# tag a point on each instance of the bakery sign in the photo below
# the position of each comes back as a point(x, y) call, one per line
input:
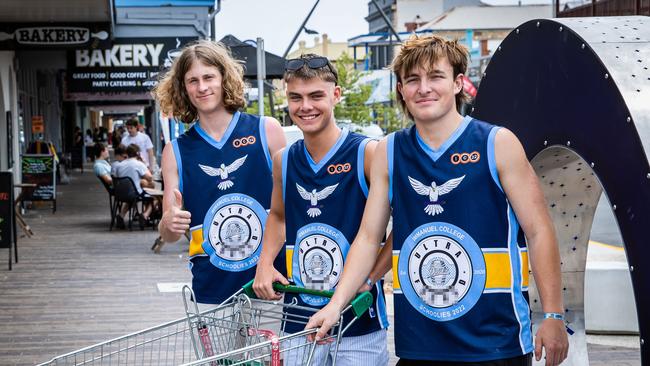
point(19, 36)
point(129, 65)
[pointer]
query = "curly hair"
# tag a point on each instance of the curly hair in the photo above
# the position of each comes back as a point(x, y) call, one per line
point(425, 51)
point(170, 91)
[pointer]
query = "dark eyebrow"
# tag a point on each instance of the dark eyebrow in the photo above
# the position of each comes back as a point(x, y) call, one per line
point(294, 94)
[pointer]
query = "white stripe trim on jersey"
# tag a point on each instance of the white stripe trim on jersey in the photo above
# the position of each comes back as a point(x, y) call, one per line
point(494, 250)
point(497, 291)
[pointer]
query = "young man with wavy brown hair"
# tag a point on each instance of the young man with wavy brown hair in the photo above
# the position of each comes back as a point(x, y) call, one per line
point(218, 174)
point(458, 190)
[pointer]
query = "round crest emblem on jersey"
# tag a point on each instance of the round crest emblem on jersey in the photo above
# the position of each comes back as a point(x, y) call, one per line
point(232, 232)
point(441, 271)
point(318, 259)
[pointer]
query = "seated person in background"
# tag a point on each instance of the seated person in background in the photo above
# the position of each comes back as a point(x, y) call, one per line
point(101, 167)
point(120, 155)
point(135, 169)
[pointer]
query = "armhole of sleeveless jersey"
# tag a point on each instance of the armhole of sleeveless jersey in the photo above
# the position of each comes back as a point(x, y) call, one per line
point(285, 158)
point(492, 163)
point(265, 145)
point(390, 143)
point(361, 174)
point(179, 164)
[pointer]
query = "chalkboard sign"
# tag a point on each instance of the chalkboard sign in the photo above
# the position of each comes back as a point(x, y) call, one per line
point(40, 170)
point(6, 210)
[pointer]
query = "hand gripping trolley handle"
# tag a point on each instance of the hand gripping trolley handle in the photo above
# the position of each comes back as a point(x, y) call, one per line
point(251, 332)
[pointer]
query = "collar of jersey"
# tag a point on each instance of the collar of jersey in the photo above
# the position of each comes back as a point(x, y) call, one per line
point(218, 144)
point(316, 167)
point(435, 154)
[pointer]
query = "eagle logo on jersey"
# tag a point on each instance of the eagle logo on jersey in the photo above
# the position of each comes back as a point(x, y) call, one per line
point(223, 172)
point(433, 192)
point(313, 197)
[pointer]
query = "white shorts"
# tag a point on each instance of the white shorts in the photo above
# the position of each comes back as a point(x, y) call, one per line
point(366, 350)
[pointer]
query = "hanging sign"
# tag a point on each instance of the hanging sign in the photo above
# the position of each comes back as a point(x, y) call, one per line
point(53, 35)
point(130, 65)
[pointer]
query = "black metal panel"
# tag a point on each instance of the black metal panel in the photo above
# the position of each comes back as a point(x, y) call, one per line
point(547, 85)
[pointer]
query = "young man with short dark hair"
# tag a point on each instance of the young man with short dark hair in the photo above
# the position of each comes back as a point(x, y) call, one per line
point(101, 166)
point(319, 193)
point(142, 140)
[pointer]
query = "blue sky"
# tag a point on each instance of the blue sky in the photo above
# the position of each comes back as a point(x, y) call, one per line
point(277, 21)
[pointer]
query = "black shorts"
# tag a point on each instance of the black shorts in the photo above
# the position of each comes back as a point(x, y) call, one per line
point(525, 360)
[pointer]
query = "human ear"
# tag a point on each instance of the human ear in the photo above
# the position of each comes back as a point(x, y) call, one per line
point(458, 83)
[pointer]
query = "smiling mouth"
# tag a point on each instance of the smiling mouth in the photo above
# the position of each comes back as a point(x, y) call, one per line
point(309, 117)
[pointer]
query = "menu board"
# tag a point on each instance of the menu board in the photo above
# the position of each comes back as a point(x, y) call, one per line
point(6, 210)
point(40, 170)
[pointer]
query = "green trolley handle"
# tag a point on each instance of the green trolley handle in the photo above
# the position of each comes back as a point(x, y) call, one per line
point(361, 303)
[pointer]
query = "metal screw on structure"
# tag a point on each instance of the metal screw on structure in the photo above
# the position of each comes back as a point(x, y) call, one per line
point(537, 24)
point(499, 49)
point(472, 109)
point(642, 341)
point(614, 207)
point(546, 143)
point(593, 164)
point(648, 176)
point(517, 31)
point(629, 119)
point(561, 29)
point(583, 46)
point(606, 76)
point(631, 268)
point(568, 143)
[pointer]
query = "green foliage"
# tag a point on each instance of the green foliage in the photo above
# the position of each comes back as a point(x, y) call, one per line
point(353, 105)
point(253, 108)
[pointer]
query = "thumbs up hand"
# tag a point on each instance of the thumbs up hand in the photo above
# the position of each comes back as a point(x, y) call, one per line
point(175, 220)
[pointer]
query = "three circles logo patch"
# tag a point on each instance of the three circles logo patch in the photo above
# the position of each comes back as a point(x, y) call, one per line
point(441, 270)
point(232, 232)
point(318, 260)
point(465, 158)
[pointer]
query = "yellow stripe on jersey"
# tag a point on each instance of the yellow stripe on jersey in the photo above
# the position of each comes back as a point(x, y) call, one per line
point(289, 260)
point(195, 243)
point(396, 285)
point(524, 269)
point(497, 266)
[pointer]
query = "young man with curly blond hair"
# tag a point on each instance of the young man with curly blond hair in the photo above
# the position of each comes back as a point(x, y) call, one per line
point(458, 190)
point(218, 174)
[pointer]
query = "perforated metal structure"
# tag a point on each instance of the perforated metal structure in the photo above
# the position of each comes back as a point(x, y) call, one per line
point(576, 91)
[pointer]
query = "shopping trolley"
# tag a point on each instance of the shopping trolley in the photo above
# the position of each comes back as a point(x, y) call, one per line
point(242, 336)
point(235, 332)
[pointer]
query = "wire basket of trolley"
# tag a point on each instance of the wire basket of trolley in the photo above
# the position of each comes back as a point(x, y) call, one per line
point(256, 331)
point(243, 330)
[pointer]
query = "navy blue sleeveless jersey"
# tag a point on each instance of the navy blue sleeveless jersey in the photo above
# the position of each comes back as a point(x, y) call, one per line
point(226, 186)
point(324, 205)
point(461, 276)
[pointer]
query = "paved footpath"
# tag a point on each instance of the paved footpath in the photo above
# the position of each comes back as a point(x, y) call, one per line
point(78, 283)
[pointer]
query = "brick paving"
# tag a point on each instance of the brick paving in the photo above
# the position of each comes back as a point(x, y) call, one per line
point(78, 283)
